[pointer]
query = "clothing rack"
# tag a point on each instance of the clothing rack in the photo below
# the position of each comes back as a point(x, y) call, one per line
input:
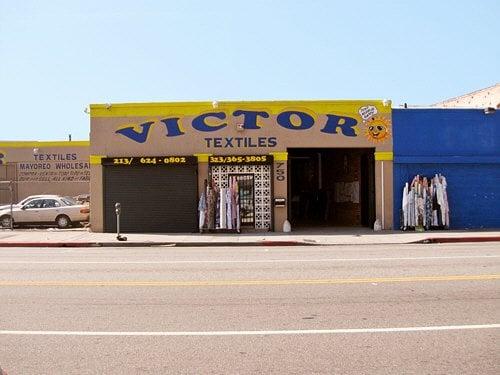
point(219, 208)
point(425, 204)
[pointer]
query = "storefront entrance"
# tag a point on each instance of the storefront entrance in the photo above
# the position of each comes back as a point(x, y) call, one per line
point(331, 187)
point(255, 191)
point(246, 198)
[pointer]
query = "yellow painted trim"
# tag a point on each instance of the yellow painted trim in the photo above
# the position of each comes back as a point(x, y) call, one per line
point(384, 155)
point(96, 159)
point(39, 144)
point(279, 156)
point(203, 158)
point(195, 108)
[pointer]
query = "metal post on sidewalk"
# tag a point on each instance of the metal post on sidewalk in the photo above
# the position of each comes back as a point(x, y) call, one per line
point(118, 211)
point(11, 189)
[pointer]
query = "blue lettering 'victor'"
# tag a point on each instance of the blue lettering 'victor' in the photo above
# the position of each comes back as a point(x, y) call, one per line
point(346, 125)
point(199, 122)
point(172, 125)
point(250, 118)
point(306, 121)
point(130, 132)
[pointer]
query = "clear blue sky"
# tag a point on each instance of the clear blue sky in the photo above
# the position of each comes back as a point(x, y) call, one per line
point(56, 57)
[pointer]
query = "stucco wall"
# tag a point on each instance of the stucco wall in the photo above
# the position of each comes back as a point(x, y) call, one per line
point(45, 168)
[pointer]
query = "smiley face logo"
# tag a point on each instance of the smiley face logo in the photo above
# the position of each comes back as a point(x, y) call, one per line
point(378, 129)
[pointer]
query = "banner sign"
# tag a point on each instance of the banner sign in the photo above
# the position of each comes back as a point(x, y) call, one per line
point(238, 125)
point(54, 167)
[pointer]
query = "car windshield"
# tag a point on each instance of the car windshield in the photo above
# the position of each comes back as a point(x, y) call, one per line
point(68, 201)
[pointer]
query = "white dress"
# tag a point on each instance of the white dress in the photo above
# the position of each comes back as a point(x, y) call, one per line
point(223, 208)
point(404, 205)
point(229, 209)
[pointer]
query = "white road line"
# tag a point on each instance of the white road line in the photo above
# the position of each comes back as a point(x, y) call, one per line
point(254, 261)
point(256, 333)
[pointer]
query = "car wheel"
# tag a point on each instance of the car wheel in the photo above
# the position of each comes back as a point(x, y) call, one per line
point(62, 221)
point(5, 221)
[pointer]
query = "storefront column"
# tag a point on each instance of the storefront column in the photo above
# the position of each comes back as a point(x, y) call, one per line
point(96, 194)
point(202, 171)
point(383, 190)
point(280, 187)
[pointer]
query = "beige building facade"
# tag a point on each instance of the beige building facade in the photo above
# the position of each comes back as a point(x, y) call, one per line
point(35, 167)
point(314, 163)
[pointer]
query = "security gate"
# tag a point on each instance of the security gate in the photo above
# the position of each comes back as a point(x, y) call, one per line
point(246, 195)
point(154, 198)
point(8, 190)
point(262, 189)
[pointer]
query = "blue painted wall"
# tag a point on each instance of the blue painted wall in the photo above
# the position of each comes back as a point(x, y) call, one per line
point(463, 145)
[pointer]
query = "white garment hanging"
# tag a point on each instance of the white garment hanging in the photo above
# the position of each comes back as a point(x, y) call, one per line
point(440, 198)
point(404, 205)
point(202, 208)
point(223, 208)
point(424, 214)
point(229, 209)
point(411, 208)
point(238, 218)
point(446, 216)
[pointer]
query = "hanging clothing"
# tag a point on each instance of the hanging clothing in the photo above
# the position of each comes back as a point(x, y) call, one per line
point(229, 208)
point(446, 202)
point(404, 205)
point(202, 209)
point(411, 207)
point(446, 206)
point(238, 214)
point(211, 203)
point(424, 204)
point(219, 207)
point(217, 210)
point(223, 208)
point(234, 192)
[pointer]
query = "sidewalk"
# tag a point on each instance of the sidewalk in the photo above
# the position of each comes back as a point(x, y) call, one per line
point(325, 236)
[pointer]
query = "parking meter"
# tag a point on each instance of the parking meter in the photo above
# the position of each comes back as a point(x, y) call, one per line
point(118, 211)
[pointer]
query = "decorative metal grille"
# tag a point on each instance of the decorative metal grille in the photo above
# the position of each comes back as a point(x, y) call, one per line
point(262, 188)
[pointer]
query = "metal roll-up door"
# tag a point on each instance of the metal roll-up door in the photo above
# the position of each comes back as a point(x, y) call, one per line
point(153, 199)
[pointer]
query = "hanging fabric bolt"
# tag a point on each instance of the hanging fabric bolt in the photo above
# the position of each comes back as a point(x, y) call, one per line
point(202, 209)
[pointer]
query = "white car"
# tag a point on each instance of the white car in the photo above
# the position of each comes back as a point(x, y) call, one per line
point(23, 201)
point(52, 210)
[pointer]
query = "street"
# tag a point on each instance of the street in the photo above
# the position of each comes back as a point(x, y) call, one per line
point(377, 309)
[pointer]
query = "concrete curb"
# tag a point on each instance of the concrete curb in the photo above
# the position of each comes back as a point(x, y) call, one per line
point(150, 244)
point(75, 244)
point(457, 239)
point(269, 243)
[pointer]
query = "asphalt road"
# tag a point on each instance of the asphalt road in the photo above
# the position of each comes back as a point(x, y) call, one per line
point(412, 309)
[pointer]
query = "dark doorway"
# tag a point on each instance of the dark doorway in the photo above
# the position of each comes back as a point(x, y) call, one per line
point(246, 196)
point(331, 187)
